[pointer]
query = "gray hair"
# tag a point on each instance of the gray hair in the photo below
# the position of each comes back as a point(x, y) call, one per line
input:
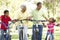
point(23, 6)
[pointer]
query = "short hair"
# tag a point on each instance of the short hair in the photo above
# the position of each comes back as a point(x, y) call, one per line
point(5, 11)
point(39, 3)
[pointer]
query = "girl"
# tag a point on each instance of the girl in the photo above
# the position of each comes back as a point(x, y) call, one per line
point(50, 25)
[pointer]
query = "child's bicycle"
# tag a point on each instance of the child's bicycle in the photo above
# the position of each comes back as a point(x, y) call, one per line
point(49, 37)
point(5, 36)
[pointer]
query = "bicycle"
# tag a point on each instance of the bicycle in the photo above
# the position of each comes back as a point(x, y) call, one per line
point(37, 30)
point(20, 29)
point(49, 37)
point(6, 35)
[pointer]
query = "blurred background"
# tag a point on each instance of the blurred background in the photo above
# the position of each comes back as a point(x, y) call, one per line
point(51, 8)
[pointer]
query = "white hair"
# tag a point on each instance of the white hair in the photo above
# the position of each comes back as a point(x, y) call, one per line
point(23, 6)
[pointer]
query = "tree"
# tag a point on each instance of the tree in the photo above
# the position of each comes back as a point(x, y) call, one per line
point(51, 6)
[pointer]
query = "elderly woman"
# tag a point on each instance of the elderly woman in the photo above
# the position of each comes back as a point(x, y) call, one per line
point(23, 14)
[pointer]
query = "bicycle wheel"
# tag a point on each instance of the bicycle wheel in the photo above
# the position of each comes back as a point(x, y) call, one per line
point(48, 37)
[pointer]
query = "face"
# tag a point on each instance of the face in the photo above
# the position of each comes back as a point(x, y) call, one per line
point(7, 13)
point(50, 20)
point(24, 8)
point(39, 6)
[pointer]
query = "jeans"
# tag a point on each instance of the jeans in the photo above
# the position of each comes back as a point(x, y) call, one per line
point(23, 33)
point(3, 36)
point(39, 35)
point(51, 36)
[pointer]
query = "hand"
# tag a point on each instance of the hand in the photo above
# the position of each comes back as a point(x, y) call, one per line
point(29, 18)
point(14, 21)
point(44, 25)
point(58, 25)
point(45, 18)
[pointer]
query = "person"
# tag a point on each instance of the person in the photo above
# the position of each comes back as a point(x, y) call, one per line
point(23, 14)
point(37, 14)
point(51, 23)
point(4, 25)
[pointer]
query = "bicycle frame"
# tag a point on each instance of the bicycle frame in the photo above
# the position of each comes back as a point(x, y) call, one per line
point(36, 31)
point(49, 36)
point(20, 29)
point(8, 31)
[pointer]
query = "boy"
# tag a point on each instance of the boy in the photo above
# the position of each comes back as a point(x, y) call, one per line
point(4, 25)
point(5, 19)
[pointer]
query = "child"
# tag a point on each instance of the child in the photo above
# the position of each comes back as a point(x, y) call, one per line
point(4, 19)
point(50, 26)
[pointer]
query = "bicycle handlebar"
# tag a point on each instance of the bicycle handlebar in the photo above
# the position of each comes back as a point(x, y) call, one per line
point(33, 20)
point(5, 24)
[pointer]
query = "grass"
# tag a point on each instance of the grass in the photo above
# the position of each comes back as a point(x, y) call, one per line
point(56, 34)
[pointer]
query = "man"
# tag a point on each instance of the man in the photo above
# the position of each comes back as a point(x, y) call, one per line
point(20, 16)
point(37, 14)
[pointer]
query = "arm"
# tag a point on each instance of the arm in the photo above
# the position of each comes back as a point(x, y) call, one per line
point(9, 19)
point(57, 24)
point(44, 25)
point(0, 17)
point(31, 15)
point(45, 17)
point(12, 20)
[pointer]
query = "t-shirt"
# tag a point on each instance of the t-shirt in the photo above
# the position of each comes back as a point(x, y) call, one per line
point(21, 16)
point(37, 15)
point(5, 20)
point(51, 27)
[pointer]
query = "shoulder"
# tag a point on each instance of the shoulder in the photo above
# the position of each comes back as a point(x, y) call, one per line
point(47, 23)
point(33, 10)
point(2, 15)
point(54, 23)
point(8, 17)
